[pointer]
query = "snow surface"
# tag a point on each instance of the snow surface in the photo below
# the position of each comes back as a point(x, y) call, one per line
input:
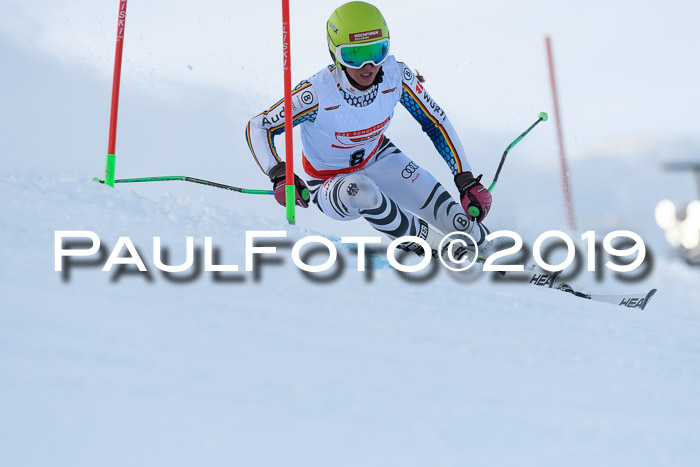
point(286, 371)
point(105, 369)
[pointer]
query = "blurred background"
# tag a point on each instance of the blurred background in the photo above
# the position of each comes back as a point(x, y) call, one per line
point(193, 75)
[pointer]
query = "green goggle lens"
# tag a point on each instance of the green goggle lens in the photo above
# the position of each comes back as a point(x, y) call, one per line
point(357, 56)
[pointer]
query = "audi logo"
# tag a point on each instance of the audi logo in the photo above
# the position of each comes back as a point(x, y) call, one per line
point(409, 170)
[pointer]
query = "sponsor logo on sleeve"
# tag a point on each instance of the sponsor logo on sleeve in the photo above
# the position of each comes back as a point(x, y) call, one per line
point(307, 97)
point(435, 108)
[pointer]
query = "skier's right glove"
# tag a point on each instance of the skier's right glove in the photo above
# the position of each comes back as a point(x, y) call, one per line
point(476, 199)
point(277, 176)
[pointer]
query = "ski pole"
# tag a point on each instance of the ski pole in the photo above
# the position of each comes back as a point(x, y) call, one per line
point(473, 210)
point(193, 180)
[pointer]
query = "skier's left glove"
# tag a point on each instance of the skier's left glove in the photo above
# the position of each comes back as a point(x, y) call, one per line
point(277, 176)
point(476, 199)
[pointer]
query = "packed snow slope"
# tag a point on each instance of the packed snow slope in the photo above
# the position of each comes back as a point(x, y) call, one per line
point(274, 368)
point(134, 369)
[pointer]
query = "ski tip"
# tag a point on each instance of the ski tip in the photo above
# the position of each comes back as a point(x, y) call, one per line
point(648, 297)
point(555, 277)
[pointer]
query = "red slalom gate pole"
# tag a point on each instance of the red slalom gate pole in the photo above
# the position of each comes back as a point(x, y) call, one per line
point(111, 158)
point(290, 190)
point(566, 182)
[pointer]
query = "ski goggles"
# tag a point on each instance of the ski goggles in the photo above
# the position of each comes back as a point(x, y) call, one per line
point(358, 55)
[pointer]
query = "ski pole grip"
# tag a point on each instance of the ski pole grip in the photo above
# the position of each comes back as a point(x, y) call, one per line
point(305, 194)
point(474, 211)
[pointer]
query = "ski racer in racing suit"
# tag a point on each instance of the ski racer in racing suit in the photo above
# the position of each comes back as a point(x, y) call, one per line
point(355, 170)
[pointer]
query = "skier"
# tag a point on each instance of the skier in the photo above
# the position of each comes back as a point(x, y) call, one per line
point(355, 171)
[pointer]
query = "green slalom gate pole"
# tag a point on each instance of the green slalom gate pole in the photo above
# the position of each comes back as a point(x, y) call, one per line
point(290, 203)
point(473, 210)
point(109, 170)
point(189, 179)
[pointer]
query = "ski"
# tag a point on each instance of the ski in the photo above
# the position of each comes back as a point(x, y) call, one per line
point(530, 274)
point(549, 280)
point(639, 301)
